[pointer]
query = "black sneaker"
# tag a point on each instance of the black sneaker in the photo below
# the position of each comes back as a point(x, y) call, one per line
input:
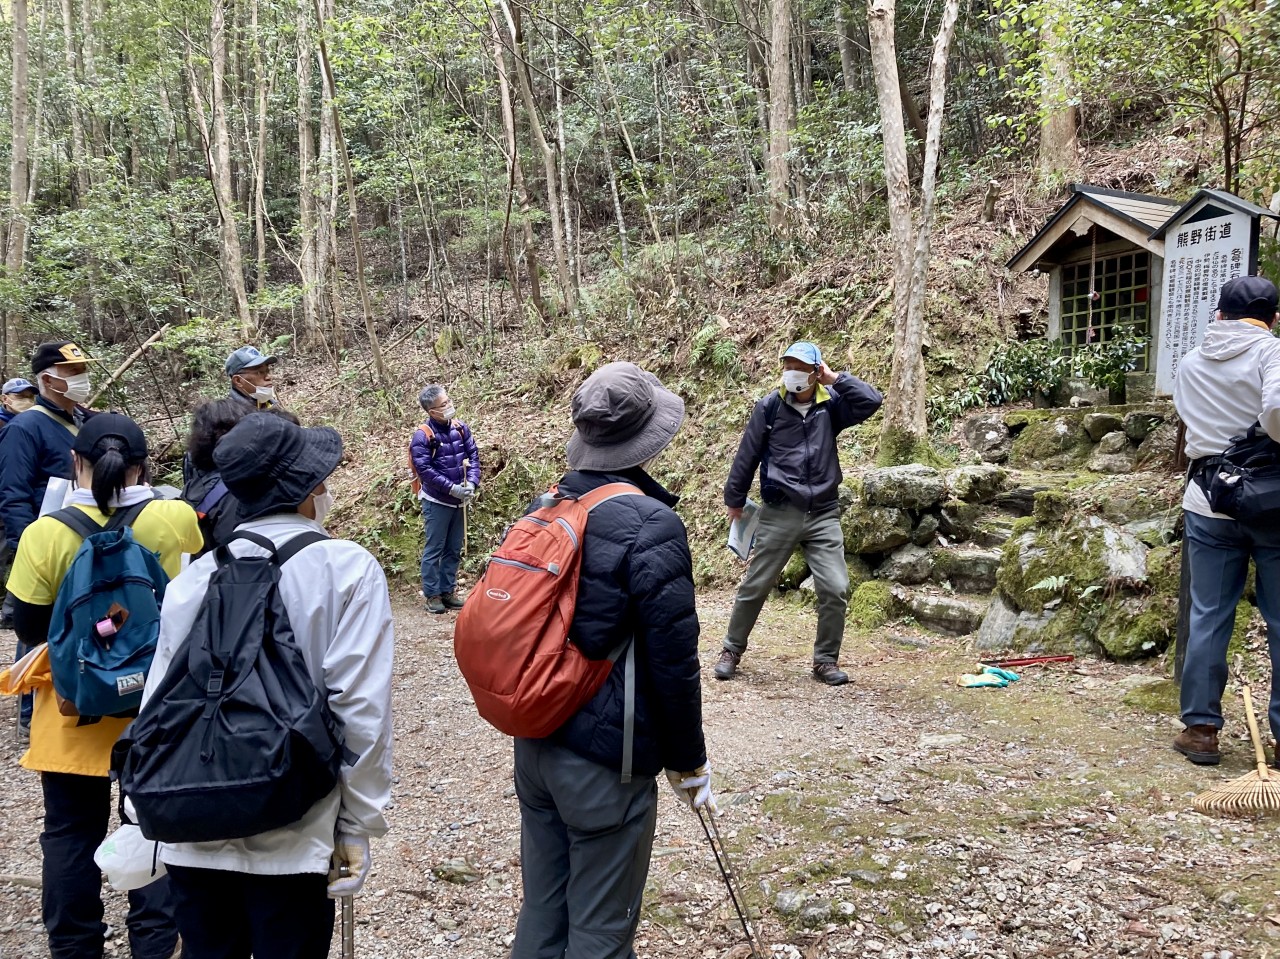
point(452, 600)
point(830, 673)
point(434, 605)
point(727, 664)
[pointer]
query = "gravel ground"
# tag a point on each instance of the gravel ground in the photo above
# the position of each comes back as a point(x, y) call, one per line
point(899, 816)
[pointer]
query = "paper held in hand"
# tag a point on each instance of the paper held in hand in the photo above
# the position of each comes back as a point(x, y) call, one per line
point(742, 531)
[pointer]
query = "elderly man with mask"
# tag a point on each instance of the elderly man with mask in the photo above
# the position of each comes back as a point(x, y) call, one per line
point(250, 373)
point(17, 396)
point(36, 447)
point(791, 439)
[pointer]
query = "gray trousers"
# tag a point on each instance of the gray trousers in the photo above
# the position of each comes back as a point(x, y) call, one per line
point(585, 840)
point(782, 529)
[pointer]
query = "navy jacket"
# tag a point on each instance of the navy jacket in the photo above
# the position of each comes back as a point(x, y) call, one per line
point(33, 449)
point(637, 582)
point(803, 464)
point(437, 458)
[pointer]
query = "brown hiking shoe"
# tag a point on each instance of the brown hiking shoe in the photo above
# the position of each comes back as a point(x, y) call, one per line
point(434, 605)
point(727, 664)
point(452, 600)
point(1199, 744)
point(830, 673)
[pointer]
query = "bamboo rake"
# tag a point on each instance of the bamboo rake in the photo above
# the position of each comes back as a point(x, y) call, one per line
point(1257, 792)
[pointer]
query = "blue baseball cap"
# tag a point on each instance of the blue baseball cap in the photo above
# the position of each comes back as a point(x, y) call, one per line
point(804, 352)
point(246, 358)
point(18, 386)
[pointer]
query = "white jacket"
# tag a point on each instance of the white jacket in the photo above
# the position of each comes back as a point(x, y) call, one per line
point(336, 596)
point(1232, 380)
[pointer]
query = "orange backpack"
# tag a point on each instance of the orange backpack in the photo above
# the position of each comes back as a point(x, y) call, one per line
point(511, 639)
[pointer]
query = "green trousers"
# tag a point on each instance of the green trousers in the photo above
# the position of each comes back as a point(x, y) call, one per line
point(782, 529)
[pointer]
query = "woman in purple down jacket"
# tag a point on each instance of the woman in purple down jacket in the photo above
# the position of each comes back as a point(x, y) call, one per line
point(447, 464)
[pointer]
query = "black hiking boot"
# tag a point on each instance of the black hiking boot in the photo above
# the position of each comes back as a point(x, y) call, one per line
point(452, 600)
point(434, 605)
point(727, 664)
point(830, 673)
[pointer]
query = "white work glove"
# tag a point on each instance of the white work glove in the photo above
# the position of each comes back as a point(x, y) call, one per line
point(469, 491)
point(352, 852)
point(458, 491)
point(694, 789)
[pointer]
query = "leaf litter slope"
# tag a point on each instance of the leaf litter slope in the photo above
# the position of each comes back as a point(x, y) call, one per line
point(897, 816)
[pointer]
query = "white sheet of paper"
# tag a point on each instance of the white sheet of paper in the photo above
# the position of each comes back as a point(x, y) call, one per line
point(55, 495)
point(742, 531)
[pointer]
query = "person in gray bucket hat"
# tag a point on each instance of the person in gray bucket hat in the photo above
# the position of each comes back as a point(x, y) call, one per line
point(587, 827)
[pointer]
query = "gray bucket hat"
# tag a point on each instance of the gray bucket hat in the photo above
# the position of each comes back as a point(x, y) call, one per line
point(623, 416)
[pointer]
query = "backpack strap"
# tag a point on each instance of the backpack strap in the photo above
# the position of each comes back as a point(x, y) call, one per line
point(279, 554)
point(127, 515)
point(69, 427)
point(78, 520)
point(211, 498)
point(602, 494)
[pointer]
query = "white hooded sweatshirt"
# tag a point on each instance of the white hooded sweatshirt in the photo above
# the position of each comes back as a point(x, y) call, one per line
point(1232, 380)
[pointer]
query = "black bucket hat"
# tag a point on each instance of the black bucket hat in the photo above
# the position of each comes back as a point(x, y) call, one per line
point(623, 416)
point(271, 466)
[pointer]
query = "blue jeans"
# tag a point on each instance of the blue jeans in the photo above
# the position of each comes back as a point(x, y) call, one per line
point(1219, 552)
point(443, 550)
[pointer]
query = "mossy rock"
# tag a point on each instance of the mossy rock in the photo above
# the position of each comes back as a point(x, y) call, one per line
point(795, 572)
point(871, 605)
point(875, 529)
point(859, 571)
point(958, 519)
point(1135, 627)
point(1085, 553)
point(1051, 507)
point(905, 487)
point(1058, 442)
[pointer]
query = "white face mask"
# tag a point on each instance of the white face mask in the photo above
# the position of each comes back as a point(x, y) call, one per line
point(795, 381)
point(264, 394)
point(323, 503)
point(448, 413)
point(78, 387)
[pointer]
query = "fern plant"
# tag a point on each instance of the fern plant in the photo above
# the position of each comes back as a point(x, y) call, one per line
point(710, 347)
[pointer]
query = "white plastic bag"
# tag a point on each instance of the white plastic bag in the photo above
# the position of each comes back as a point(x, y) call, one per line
point(129, 859)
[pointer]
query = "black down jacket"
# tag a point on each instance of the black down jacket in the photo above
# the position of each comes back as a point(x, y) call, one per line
point(637, 581)
point(803, 462)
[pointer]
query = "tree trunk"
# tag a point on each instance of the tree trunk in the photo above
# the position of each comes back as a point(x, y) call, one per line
point(220, 158)
point(325, 186)
point(89, 16)
point(905, 432)
point(566, 196)
point(1059, 147)
point(74, 71)
point(19, 173)
point(848, 67)
point(515, 180)
point(524, 77)
point(781, 110)
point(259, 167)
point(308, 270)
point(353, 211)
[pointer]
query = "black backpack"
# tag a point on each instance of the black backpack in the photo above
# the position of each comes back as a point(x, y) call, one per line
point(1244, 482)
point(237, 740)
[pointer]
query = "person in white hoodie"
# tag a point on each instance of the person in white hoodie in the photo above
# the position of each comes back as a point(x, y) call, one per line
point(1223, 388)
point(271, 894)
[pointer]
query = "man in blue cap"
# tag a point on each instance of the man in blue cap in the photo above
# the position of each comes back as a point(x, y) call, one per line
point(249, 370)
point(791, 439)
point(16, 396)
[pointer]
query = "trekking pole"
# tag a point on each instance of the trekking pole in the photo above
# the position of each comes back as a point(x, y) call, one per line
point(722, 861)
point(348, 920)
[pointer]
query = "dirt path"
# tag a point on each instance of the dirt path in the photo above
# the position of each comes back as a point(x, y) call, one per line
point(899, 816)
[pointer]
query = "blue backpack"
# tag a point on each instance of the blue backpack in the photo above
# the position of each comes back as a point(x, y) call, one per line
point(106, 618)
